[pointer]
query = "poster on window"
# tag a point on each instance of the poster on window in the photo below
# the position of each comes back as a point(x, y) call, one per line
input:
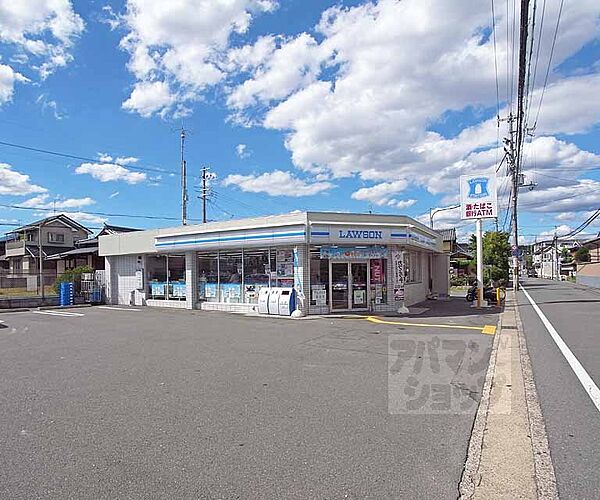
point(319, 295)
point(285, 263)
point(399, 274)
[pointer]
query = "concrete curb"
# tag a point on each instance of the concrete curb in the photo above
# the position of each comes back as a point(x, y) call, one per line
point(470, 476)
point(544, 469)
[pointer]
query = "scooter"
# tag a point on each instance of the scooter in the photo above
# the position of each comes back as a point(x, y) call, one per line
point(489, 293)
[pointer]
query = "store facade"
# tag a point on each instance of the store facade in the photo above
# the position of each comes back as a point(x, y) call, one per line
point(335, 262)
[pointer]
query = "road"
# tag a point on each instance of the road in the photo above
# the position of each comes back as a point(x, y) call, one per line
point(142, 403)
point(572, 419)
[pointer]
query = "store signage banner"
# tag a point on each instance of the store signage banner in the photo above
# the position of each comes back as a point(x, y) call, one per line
point(298, 272)
point(354, 253)
point(399, 274)
point(478, 196)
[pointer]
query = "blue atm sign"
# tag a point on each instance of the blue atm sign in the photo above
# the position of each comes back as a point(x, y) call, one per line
point(360, 234)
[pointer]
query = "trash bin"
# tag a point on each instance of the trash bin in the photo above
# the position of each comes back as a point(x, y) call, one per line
point(263, 300)
point(66, 294)
point(287, 301)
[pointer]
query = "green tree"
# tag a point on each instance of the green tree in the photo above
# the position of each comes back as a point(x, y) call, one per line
point(496, 254)
point(565, 255)
point(582, 254)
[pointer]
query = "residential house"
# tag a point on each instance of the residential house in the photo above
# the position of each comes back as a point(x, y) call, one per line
point(548, 259)
point(85, 252)
point(588, 273)
point(58, 233)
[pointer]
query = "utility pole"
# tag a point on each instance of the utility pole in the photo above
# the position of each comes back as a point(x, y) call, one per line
point(204, 191)
point(514, 201)
point(184, 195)
point(515, 152)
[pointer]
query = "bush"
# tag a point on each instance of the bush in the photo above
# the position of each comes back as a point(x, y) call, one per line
point(71, 275)
point(459, 280)
point(582, 254)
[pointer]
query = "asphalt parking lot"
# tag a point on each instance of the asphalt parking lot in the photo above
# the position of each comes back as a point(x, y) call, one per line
point(145, 403)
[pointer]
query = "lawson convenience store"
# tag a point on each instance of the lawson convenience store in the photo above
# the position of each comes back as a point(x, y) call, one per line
point(334, 261)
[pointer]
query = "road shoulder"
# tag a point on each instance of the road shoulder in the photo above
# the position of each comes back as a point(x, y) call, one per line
point(508, 453)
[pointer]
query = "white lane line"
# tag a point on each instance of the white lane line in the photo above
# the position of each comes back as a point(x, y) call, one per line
point(58, 313)
point(118, 308)
point(586, 381)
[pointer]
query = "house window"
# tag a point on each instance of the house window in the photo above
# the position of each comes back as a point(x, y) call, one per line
point(29, 237)
point(56, 238)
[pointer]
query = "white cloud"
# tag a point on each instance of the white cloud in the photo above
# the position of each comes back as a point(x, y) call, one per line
point(579, 196)
point(16, 183)
point(85, 218)
point(44, 201)
point(50, 105)
point(380, 194)
point(401, 204)
point(242, 151)
point(276, 183)
point(113, 195)
point(175, 48)
point(41, 32)
point(148, 98)
point(107, 172)
point(290, 65)
point(349, 108)
point(8, 77)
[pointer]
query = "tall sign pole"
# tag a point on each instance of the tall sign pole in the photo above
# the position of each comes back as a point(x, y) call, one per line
point(184, 195)
point(478, 201)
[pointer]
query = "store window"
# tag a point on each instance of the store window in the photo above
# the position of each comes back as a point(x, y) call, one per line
point(176, 275)
point(230, 276)
point(378, 282)
point(208, 276)
point(284, 266)
point(237, 276)
point(414, 270)
point(156, 272)
point(319, 279)
point(256, 273)
point(166, 277)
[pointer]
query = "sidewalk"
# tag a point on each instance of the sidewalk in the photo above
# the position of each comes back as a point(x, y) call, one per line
point(508, 454)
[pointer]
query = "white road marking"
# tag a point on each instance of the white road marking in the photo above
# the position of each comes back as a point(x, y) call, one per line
point(58, 313)
point(118, 308)
point(586, 381)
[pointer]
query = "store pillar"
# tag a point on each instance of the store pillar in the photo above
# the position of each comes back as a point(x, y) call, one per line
point(191, 280)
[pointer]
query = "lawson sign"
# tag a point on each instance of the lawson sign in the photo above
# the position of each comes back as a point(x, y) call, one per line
point(478, 198)
point(360, 234)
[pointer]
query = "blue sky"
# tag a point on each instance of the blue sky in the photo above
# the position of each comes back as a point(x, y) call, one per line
point(349, 106)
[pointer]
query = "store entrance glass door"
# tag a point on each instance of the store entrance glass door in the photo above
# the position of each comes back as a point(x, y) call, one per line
point(349, 285)
point(359, 275)
point(339, 285)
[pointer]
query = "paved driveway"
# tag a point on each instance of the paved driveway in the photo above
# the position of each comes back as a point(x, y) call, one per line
point(127, 403)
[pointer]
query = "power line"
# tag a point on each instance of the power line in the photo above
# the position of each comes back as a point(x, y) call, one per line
point(583, 225)
point(496, 64)
point(104, 214)
point(549, 63)
point(83, 158)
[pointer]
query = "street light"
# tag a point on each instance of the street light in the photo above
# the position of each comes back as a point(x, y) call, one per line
point(433, 212)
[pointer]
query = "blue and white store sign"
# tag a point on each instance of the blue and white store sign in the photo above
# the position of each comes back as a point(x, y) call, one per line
point(370, 235)
point(232, 239)
point(478, 198)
